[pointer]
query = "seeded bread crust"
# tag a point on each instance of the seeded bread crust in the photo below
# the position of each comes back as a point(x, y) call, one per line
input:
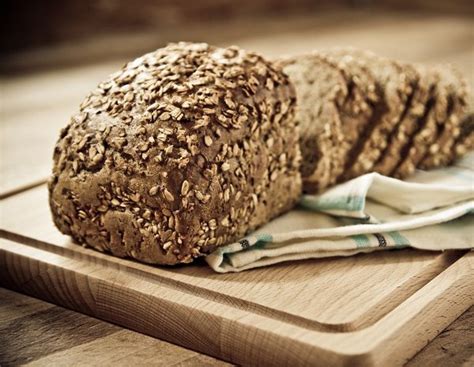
point(465, 141)
point(391, 117)
point(359, 111)
point(335, 101)
point(409, 122)
point(426, 132)
point(321, 137)
point(440, 153)
point(183, 150)
point(394, 86)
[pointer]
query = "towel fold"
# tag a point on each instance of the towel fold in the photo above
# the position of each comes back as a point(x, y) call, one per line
point(430, 211)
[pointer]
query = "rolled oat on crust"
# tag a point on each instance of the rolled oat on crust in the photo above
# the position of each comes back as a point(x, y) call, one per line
point(183, 150)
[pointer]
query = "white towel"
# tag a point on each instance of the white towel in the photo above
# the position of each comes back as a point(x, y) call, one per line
point(431, 211)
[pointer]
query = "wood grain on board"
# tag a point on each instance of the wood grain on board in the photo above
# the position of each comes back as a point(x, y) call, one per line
point(370, 309)
point(49, 340)
point(42, 334)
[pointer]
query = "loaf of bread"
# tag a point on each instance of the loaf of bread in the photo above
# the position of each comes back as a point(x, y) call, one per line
point(190, 147)
point(181, 151)
point(385, 116)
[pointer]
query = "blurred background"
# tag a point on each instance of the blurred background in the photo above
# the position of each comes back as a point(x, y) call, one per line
point(53, 52)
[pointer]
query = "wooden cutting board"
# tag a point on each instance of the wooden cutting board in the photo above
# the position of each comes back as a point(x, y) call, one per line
point(375, 309)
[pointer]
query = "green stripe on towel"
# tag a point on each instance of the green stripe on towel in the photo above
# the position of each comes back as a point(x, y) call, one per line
point(361, 240)
point(262, 240)
point(398, 239)
point(264, 237)
point(348, 203)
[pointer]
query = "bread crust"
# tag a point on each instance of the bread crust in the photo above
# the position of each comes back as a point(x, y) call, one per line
point(336, 95)
point(416, 106)
point(393, 84)
point(425, 131)
point(321, 136)
point(360, 109)
point(183, 150)
point(465, 141)
point(388, 116)
point(448, 130)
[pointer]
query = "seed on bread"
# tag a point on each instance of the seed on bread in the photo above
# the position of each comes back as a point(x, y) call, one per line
point(149, 141)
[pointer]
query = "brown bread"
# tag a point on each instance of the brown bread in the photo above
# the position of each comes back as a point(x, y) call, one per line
point(408, 124)
point(394, 84)
point(319, 123)
point(440, 153)
point(335, 99)
point(183, 150)
point(425, 132)
point(394, 118)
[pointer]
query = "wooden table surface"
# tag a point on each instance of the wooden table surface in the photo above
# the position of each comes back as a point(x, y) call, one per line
point(37, 333)
point(35, 104)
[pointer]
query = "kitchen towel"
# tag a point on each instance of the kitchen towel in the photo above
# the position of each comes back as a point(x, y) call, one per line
point(430, 211)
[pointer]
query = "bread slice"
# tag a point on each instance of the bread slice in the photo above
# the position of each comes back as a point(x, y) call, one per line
point(463, 144)
point(321, 90)
point(416, 106)
point(440, 152)
point(335, 97)
point(425, 133)
point(394, 87)
point(465, 141)
point(359, 112)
